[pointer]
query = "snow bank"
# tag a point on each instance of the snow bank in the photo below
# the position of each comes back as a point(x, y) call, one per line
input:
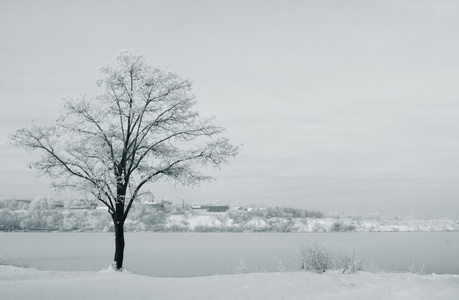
point(21, 283)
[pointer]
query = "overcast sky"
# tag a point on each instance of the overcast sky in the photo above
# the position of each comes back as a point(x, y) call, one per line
point(341, 106)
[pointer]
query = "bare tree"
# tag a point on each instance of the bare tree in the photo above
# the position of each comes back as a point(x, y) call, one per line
point(141, 128)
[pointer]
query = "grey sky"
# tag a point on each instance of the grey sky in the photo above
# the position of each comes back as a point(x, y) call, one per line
point(346, 106)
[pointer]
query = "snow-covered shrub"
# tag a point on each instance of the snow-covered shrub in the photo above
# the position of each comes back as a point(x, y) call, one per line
point(13, 204)
point(133, 226)
point(336, 226)
point(279, 265)
point(256, 224)
point(350, 227)
point(241, 268)
point(341, 227)
point(290, 212)
point(281, 224)
point(54, 220)
point(414, 270)
point(148, 217)
point(300, 225)
point(177, 223)
point(72, 221)
point(42, 220)
point(173, 210)
point(39, 204)
point(318, 227)
point(239, 217)
point(316, 257)
point(349, 264)
point(9, 220)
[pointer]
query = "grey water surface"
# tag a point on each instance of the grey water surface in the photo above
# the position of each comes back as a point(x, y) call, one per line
point(203, 254)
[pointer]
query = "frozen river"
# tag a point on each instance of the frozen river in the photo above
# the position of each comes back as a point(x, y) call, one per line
point(200, 254)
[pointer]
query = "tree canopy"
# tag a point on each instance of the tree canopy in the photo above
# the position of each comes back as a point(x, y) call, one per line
point(140, 128)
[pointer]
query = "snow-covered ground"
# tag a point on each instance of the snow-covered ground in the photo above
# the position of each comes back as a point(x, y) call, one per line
point(24, 283)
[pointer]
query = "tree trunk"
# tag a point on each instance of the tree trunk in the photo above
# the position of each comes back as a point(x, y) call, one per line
point(118, 220)
point(119, 245)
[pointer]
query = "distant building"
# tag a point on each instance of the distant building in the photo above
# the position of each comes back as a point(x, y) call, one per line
point(211, 208)
point(197, 207)
point(218, 208)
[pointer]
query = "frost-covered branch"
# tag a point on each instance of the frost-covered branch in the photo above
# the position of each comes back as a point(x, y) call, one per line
point(140, 128)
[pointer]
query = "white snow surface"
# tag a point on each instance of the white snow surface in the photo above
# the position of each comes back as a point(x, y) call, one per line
point(26, 283)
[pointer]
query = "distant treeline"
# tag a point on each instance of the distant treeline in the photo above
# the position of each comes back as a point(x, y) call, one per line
point(277, 212)
point(49, 215)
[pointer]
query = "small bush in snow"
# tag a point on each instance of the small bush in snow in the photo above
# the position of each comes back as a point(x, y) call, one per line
point(241, 268)
point(316, 257)
point(279, 265)
point(349, 264)
point(414, 270)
